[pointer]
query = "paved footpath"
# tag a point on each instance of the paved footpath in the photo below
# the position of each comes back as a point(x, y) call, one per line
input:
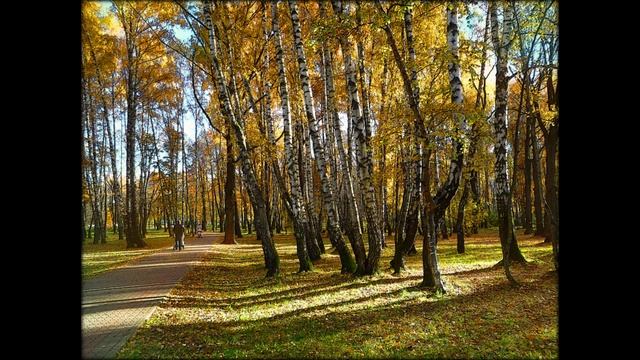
point(117, 302)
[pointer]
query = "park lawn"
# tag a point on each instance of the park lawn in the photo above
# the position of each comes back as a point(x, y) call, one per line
point(225, 308)
point(98, 258)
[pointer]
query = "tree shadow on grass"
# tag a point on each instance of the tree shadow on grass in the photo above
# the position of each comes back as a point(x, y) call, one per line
point(299, 293)
point(426, 326)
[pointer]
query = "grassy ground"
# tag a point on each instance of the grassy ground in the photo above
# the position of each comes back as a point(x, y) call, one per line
point(224, 308)
point(97, 258)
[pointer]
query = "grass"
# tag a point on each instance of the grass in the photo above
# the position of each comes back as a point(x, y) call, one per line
point(98, 258)
point(225, 308)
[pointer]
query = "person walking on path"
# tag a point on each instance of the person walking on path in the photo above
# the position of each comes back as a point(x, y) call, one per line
point(178, 231)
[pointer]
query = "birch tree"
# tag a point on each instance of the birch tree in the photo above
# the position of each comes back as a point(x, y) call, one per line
point(327, 190)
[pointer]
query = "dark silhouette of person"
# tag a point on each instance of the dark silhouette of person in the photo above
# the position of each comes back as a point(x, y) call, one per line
point(178, 231)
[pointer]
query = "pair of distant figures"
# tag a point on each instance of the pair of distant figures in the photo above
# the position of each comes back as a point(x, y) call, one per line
point(178, 232)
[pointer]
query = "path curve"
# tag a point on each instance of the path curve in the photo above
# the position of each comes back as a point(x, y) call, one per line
point(116, 303)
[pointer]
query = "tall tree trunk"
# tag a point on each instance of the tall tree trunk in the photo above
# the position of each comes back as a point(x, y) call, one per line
point(83, 159)
point(306, 182)
point(480, 103)
point(93, 184)
point(203, 184)
point(431, 276)
point(503, 193)
point(236, 217)
point(299, 218)
point(229, 193)
point(537, 179)
point(550, 146)
point(384, 215)
point(352, 219)
point(272, 261)
point(409, 214)
point(430, 269)
point(457, 97)
point(112, 151)
point(528, 159)
point(133, 229)
point(363, 153)
point(551, 139)
point(327, 188)
point(460, 218)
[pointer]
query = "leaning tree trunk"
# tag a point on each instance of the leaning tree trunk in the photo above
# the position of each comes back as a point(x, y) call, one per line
point(347, 262)
point(272, 260)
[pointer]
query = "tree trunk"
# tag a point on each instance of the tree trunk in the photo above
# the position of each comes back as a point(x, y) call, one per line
point(460, 218)
point(537, 180)
point(550, 145)
point(363, 153)
point(443, 196)
point(528, 159)
point(112, 151)
point(503, 193)
point(272, 261)
point(229, 193)
point(82, 153)
point(292, 159)
point(133, 229)
point(430, 270)
point(327, 188)
point(306, 183)
point(236, 217)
